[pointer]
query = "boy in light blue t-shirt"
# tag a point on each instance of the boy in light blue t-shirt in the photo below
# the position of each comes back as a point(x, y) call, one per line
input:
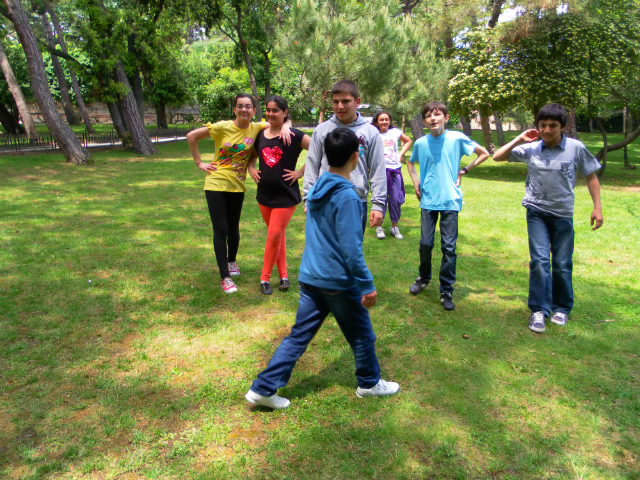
point(438, 190)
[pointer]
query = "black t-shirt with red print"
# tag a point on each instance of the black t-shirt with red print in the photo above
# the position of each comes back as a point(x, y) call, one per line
point(274, 157)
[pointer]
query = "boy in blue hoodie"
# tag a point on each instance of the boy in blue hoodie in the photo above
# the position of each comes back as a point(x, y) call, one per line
point(333, 278)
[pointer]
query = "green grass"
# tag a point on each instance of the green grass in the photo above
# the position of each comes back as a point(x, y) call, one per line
point(141, 372)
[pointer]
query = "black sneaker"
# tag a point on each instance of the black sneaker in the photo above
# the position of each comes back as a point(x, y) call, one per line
point(446, 299)
point(265, 288)
point(284, 285)
point(418, 286)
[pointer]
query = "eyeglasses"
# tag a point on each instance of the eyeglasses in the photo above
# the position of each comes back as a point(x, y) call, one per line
point(244, 107)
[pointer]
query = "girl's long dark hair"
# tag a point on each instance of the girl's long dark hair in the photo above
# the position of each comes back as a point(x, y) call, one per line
point(282, 104)
point(374, 122)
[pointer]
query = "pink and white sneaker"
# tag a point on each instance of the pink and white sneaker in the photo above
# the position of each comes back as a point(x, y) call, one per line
point(228, 286)
point(234, 271)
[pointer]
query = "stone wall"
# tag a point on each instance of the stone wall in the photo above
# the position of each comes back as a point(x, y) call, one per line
point(99, 113)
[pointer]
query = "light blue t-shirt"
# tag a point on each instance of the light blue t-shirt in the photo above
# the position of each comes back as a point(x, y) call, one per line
point(439, 160)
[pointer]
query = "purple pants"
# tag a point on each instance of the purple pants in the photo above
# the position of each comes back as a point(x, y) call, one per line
point(395, 194)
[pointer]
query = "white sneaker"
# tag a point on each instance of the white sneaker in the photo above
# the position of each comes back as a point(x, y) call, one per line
point(380, 233)
point(274, 401)
point(228, 286)
point(381, 389)
point(395, 232)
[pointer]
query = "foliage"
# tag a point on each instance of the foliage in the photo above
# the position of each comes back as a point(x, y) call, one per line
point(142, 372)
point(366, 42)
point(482, 76)
point(18, 63)
point(217, 102)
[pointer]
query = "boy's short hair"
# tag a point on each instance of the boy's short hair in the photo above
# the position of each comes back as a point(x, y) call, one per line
point(339, 145)
point(552, 111)
point(346, 86)
point(433, 106)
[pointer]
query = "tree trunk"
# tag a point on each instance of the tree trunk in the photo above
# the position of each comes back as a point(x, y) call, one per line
point(591, 125)
point(617, 146)
point(603, 158)
point(14, 88)
point(67, 106)
point(7, 121)
point(321, 116)
point(65, 137)
point(417, 127)
point(74, 80)
point(135, 80)
point(496, 9)
point(499, 131)
point(139, 136)
point(13, 110)
point(466, 125)
point(625, 130)
point(247, 60)
point(116, 119)
point(267, 81)
point(161, 115)
point(486, 134)
point(570, 129)
point(404, 123)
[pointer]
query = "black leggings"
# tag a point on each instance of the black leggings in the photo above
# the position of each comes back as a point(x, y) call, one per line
point(225, 209)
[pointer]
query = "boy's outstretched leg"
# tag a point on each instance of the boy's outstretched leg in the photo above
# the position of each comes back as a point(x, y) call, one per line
point(312, 310)
point(355, 323)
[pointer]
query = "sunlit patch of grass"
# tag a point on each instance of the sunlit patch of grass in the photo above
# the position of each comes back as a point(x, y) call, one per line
point(120, 356)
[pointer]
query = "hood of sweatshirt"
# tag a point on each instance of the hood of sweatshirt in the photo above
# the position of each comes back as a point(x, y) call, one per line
point(326, 187)
point(358, 121)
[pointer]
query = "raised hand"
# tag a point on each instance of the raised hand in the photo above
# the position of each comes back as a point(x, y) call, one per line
point(529, 136)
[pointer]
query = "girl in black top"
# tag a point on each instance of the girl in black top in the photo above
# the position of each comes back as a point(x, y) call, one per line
point(278, 189)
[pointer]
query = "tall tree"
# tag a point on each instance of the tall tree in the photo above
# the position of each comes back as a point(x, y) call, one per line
point(18, 97)
point(74, 79)
point(65, 137)
point(67, 106)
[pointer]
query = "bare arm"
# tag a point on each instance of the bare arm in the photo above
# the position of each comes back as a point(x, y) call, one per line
point(406, 143)
point(295, 175)
point(414, 177)
point(482, 154)
point(193, 137)
point(594, 190)
point(527, 136)
point(251, 168)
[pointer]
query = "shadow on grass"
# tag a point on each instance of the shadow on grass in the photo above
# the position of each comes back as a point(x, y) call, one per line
point(142, 371)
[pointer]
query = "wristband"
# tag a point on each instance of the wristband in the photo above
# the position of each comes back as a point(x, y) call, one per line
point(464, 169)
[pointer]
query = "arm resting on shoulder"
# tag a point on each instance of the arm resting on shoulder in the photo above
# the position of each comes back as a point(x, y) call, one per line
point(594, 190)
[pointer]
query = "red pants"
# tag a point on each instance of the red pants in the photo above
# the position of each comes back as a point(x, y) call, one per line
point(275, 251)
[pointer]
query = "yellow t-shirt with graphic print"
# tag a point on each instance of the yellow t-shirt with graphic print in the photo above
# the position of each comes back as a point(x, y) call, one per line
point(233, 148)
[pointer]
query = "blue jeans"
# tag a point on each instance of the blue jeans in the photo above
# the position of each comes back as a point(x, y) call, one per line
point(448, 239)
point(315, 304)
point(550, 237)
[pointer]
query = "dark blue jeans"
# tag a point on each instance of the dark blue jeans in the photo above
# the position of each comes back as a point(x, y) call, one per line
point(551, 266)
point(448, 239)
point(315, 304)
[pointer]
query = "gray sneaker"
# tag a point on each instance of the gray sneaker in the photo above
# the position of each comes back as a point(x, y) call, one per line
point(381, 389)
point(274, 401)
point(536, 322)
point(560, 318)
point(417, 286)
point(380, 233)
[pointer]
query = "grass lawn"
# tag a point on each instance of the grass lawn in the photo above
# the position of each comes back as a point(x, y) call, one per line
point(121, 357)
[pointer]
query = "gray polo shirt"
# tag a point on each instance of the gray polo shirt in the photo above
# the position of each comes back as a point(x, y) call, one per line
point(551, 173)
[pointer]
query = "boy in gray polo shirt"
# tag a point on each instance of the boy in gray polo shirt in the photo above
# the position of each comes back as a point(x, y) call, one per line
point(553, 164)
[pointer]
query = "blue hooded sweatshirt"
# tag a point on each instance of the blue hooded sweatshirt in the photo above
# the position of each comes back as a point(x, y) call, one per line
point(332, 257)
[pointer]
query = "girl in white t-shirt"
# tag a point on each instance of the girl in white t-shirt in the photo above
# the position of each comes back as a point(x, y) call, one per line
point(395, 185)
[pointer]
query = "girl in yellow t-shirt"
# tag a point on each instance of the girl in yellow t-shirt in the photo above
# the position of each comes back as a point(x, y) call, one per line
point(224, 183)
